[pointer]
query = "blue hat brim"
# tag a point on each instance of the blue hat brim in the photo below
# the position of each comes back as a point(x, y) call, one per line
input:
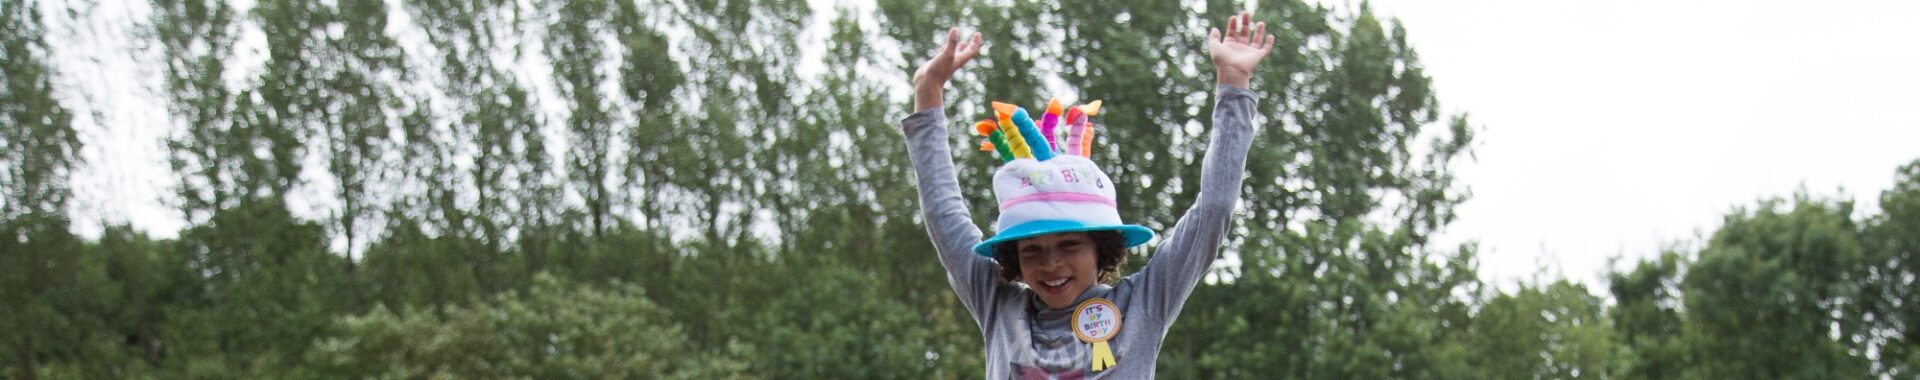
point(1135, 235)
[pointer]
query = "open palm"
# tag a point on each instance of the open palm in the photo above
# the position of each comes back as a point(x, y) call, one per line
point(1240, 49)
point(932, 76)
point(953, 55)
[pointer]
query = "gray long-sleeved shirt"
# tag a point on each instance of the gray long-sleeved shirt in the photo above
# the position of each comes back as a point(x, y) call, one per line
point(1027, 340)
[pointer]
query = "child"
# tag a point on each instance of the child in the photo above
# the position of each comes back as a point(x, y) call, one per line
point(1040, 289)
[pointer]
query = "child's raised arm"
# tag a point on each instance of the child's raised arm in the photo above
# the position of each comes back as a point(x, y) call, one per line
point(1178, 264)
point(973, 277)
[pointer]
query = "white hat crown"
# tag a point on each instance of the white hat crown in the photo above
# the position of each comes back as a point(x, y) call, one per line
point(1063, 188)
point(1049, 184)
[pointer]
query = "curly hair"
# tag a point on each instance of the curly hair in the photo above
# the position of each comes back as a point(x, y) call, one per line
point(1109, 247)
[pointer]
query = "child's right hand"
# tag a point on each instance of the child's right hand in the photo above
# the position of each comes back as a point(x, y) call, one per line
point(1237, 53)
point(931, 78)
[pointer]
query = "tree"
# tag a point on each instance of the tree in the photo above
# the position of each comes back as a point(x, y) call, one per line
point(574, 48)
point(408, 267)
point(331, 89)
point(51, 292)
point(718, 164)
point(1892, 240)
point(49, 288)
point(266, 280)
point(853, 239)
point(358, 113)
point(1774, 293)
point(1556, 331)
point(506, 165)
point(650, 81)
point(553, 330)
point(146, 280)
point(196, 39)
point(1647, 320)
point(266, 290)
point(423, 255)
point(38, 144)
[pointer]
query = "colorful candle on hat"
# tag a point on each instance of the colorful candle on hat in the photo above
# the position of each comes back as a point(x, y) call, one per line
point(995, 140)
point(1048, 121)
point(1085, 140)
point(1015, 143)
point(1025, 123)
point(1076, 124)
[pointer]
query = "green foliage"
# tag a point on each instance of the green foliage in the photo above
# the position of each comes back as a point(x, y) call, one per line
point(492, 149)
point(1892, 240)
point(53, 295)
point(1647, 319)
point(1775, 293)
point(358, 111)
point(573, 45)
point(267, 291)
point(1559, 331)
point(866, 325)
point(409, 268)
point(144, 278)
point(196, 40)
point(46, 280)
point(649, 79)
point(38, 146)
point(554, 330)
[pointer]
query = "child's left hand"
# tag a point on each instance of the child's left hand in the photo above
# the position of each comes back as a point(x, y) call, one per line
point(1240, 50)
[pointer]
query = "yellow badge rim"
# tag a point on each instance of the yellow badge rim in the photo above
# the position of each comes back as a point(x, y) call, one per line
point(1082, 334)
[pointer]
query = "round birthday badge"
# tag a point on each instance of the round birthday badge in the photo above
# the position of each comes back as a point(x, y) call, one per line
point(1097, 321)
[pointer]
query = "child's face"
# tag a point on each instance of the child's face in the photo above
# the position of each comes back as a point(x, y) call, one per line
point(1058, 266)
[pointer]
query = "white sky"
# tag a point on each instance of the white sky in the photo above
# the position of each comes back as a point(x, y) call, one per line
point(1609, 128)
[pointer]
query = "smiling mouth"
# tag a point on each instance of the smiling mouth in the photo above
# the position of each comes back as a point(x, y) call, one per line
point(1056, 283)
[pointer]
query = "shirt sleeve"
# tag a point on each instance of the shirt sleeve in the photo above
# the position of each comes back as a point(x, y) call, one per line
point(948, 222)
point(1189, 250)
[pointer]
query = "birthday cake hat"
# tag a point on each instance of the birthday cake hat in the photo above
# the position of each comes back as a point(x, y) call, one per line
point(1048, 184)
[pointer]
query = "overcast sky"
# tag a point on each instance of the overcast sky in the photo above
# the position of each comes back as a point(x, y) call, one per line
point(1614, 127)
point(1609, 128)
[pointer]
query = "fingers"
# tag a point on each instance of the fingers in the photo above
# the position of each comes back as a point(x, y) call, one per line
point(1239, 28)
point(1267, 45)
point(953, 37)
point(1239, 31)
point(1233, 28)
point(1242, 29)
point(1213, 36)
point(1246, 26)
point(968, 51)
point(955, 45)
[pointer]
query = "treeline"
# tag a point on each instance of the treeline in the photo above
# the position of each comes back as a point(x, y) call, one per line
point(702, 209)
